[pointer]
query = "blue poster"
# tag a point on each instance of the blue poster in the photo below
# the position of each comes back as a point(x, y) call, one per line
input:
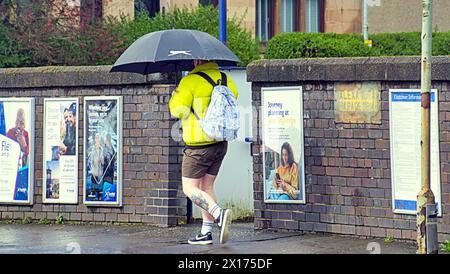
point(102, 151)
point(2, 120)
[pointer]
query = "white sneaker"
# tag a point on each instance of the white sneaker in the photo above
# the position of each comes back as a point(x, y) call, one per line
point(224, 223)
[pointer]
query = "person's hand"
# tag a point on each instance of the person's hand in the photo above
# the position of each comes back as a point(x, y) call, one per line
point(278, 182)
point(62, 128)
point(62, 149)
point(283, 185)
point(17, 133)
point(22, 142)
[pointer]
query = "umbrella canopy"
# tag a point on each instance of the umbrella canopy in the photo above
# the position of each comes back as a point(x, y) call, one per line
point(173, 50)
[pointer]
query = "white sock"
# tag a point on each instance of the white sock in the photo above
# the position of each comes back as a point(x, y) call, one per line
point(207, 226)
point(215, 211)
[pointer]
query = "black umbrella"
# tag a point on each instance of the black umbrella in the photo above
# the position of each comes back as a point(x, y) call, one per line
point(173, 50)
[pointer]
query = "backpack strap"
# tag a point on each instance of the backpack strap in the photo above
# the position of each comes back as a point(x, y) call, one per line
point(223, 81)
point(195, 114)
point(206, 77)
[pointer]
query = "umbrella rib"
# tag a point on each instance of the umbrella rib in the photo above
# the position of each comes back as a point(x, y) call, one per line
point(147, 64)
point(157, 48)
point(198, 44)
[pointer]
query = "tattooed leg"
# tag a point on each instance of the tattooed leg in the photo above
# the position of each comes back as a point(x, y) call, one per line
point(200, 201)
point(191, 188)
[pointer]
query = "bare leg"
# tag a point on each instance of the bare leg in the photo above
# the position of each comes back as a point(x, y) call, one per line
point(207, 185)
point(191, 188)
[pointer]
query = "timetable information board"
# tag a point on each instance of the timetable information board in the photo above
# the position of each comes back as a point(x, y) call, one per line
point(405, 135)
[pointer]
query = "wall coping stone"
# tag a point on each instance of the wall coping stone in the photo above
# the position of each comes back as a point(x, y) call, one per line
point(346, 69)
point(75, 76)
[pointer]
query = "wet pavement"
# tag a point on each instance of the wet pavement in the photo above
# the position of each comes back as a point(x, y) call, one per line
point(113, 239)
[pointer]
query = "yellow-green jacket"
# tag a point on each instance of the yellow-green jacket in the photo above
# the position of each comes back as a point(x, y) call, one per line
point(194, 91)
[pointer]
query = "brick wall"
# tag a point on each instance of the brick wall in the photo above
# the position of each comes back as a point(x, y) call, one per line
point(151, 158)
point(347, 166)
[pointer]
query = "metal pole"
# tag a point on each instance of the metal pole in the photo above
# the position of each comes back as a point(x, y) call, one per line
point(425, 195)
point(223, 21)
point(366, 20)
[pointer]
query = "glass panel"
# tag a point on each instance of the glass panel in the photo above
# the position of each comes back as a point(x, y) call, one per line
point(262, 19)
point(150, 7)
point(312, 15)
point(287, 16)
point(215, 3)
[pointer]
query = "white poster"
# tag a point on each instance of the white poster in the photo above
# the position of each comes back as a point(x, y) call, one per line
point(405, 135)
point(16, 150)
point(60, 151)
point(282, 133)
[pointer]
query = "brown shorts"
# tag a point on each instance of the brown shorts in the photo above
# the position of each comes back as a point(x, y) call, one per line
point(203, 160)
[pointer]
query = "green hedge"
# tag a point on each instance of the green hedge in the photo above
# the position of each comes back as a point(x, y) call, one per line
point(204, 18)
point(409, 43)
point(397, 44)
point(102, 42)
point(310, 45)
point(41, 37)
point(11, 55)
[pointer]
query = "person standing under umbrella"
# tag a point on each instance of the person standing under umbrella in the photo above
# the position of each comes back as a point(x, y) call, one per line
point(202, 155)
point(181, 50)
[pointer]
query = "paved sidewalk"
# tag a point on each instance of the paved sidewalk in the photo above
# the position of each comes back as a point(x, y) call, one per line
point(34, 238)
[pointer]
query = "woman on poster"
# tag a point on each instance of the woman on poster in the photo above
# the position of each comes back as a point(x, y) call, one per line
point(286, 179)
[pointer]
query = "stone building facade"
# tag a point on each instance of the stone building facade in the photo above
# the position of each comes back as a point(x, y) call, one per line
point(339, 16)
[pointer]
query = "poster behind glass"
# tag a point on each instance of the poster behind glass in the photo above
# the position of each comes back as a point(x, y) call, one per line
point(405, 135)
point(16, 150)
point(103, 151)
point(60, 151)
point(282, 133)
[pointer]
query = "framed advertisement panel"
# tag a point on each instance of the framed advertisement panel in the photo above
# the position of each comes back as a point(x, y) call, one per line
point(60, 164)
point(16, 150)
point(405, 136)
point(283, 145)
point(102, 163)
